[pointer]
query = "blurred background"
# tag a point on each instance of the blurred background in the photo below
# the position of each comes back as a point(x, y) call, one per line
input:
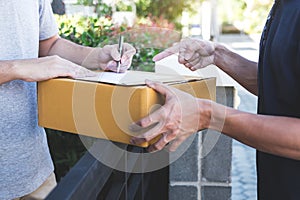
point(96, 22)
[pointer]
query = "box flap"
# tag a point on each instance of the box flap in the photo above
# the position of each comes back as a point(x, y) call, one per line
point(133, 78)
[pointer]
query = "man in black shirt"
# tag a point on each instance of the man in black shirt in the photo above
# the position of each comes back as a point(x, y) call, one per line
point(275, 79)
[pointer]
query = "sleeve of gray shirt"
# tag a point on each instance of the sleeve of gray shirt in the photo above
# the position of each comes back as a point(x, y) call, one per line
point(48, 26)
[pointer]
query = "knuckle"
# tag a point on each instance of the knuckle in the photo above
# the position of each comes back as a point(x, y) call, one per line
point(143, 139)
point(173, 135)
point(170, 126)
point(146, 139)
point(174, 125)
point(144, 123)
point(157, 147)
point(138, 140)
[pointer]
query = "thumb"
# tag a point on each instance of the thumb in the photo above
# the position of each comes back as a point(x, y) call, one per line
point(159, 87)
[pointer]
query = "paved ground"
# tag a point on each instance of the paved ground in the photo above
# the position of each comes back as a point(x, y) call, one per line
point(243, 157)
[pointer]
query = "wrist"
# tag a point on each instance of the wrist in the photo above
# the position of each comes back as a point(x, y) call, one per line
point(212, 115)
point(14, 69)
point(8, 71)
point(205, 112)
point(17, 69)
point(92, 59)
point(219, 53)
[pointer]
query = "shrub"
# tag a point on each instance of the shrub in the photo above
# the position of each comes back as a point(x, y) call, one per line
point(149, 36)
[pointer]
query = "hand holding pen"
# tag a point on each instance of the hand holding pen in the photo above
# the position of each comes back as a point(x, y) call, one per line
point(124, 53)
point(116, 58)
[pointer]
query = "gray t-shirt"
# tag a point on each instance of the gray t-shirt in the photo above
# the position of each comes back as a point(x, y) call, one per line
point(25, 162)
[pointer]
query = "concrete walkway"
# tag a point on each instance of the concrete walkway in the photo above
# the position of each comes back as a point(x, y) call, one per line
point(243, 157)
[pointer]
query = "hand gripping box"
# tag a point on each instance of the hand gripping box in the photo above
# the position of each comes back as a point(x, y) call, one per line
point(105, 106)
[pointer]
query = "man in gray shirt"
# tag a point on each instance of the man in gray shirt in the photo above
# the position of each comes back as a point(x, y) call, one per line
point(31, 51)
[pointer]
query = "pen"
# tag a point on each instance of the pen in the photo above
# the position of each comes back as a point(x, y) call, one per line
point(120, 48)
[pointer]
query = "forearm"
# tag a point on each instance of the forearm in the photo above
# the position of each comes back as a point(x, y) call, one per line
point(40, 69)
point(271, 134)
point(7, 72)
point(17, 69)
point(73, 52)
point(240, 69)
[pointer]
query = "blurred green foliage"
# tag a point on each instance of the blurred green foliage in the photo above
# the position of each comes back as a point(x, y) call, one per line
point(100, 8)
point(170, 10)
point(247, 16)
point(148, 36)
point(123, 6)
point(85, 2)
point(86, 31)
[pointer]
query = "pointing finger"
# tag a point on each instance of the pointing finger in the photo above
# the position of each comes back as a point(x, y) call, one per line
point(167, 52)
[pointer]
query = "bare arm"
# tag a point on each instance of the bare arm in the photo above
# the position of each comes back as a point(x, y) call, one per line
point(176, 121)
point(6, 72)
point(265, 133)
point(39, 69)
point(63, 48)
point(59, 57)
point(93, 58)
point(239, 68)
point(196, 54)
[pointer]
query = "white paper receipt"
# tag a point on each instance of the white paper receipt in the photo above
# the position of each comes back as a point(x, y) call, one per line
point(106, 77)
point(134, 78)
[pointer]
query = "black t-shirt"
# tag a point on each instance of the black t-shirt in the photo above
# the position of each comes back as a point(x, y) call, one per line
point(279, 94)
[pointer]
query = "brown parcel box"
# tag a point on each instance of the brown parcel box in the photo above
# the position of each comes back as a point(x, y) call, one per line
point(103, 110)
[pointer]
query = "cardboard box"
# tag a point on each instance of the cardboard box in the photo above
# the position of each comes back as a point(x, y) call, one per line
point(100, 108)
